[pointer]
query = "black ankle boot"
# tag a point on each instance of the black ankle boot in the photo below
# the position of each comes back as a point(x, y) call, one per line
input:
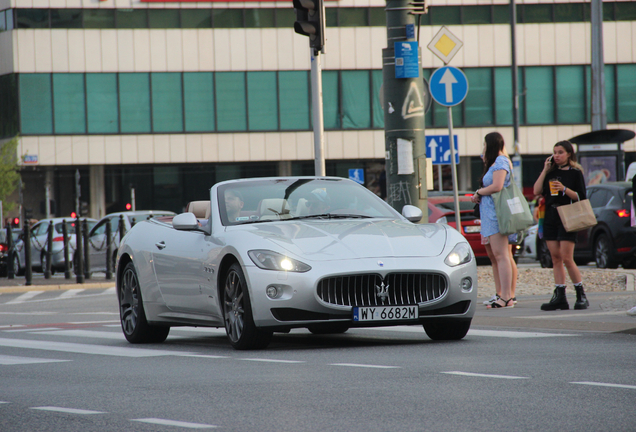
point(558, 300)
point(581, 300)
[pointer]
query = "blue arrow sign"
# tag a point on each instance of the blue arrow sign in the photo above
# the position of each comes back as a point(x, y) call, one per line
point(438, 149)
point(449, 86)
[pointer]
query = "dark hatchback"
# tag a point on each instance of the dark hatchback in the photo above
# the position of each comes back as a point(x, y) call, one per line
point(612, 242)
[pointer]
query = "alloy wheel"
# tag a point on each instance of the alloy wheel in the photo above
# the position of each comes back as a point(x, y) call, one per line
point(129, 301)
point(233, 308)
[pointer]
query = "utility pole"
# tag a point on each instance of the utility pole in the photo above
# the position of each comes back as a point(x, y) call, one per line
point(599, 108)
point(516, 157)
point(404, 107)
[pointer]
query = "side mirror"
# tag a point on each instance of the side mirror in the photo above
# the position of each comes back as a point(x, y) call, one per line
point(412, 213)
point(185, 222)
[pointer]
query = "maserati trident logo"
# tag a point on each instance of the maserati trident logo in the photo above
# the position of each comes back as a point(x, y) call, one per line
point(382, 292)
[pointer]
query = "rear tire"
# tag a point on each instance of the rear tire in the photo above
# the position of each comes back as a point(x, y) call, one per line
point(447, 329)
point(131, 311)
point(603, 254)
point(237, 313)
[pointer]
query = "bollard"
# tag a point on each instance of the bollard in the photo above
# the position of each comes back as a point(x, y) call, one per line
point(67, 264)
point(46, 257)
point(87, 251)
point(79, 252)
point(122, 229)
point(11, 271)
point(109, 252)
point(28, 269)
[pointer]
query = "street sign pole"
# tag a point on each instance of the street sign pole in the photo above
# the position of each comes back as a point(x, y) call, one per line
point(316, 106)
point(458, 220)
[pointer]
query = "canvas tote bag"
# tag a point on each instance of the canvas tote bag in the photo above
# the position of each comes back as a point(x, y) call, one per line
point(577, 216)
point(513, 212)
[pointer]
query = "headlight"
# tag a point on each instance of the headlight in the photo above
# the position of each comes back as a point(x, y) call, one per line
point(268, 260)
point(460, 254)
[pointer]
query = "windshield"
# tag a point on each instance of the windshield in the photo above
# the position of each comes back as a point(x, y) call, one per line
point(267, 200)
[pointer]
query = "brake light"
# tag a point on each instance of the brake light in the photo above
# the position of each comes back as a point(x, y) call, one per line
point(60, 238)
point(622, 213)
point(3, 248)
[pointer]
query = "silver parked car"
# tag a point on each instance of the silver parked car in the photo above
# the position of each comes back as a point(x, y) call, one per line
point(39, 234)
point(268, 255)
point(97, 242)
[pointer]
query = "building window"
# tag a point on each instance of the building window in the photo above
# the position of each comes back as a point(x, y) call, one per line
point(32, 18)
point(196, 18)
point(262, 103)
point(230, 101)
point(356, 100)
point(570, 99)
point(610, 93)
point(626, 91)
point(163, 18)
point(293, 97)
point(227, 18)
point(447, 15)
point(99, 18)
point(378, 112)
point(101, 102)
point(36, 114)
point(330, 99)
point(198, 98)
point(539, 95)
point(352, 17)
point(478, 106)
point(134, 102)
point(167, 102)
point(66, 18)
point(69, 103)
point(260, 18)
point(476, 15)
point(503, 96)
point(9, 107)
point(131, 18)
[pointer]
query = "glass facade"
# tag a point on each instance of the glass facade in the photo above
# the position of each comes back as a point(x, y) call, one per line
point(176, 102)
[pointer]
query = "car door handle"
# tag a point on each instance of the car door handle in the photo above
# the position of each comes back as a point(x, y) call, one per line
point(161, 244)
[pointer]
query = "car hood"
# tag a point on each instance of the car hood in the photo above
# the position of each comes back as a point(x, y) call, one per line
point(350, 239)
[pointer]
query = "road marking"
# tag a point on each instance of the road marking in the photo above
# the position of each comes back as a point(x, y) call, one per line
point(13, 360)
point(11, 326)
point(26, 330)
point(365, 366)
point(272, 360)
point(204, 356)
point(86, 349)
point(213, 330)
point(174, 423)
point(68, 410)
point(82, 334)
point(24, 297)
point(70, 293)
point(470, 374)
point(571, 315)
point(590, 383)
point(95, 322)
point(516, 334)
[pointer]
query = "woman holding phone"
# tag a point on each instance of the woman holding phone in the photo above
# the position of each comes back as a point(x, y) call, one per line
point(561, 182)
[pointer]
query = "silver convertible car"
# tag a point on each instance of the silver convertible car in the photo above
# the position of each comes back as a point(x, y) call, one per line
point(268, 255)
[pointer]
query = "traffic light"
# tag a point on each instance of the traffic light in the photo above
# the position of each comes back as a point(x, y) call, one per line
point(16, 222)
point(310, 21)
point(128, 206)
point(73, 215)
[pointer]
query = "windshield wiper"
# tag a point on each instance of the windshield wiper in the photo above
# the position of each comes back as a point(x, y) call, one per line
point(331, 216)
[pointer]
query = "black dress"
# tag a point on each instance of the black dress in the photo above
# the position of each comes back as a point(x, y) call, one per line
point(552, 226)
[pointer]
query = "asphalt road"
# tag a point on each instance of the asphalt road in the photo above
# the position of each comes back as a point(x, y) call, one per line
point(65, 366)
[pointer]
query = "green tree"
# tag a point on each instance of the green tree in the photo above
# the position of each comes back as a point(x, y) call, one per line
point(9, 172)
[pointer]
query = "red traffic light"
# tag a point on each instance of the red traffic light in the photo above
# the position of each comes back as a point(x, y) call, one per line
point(16, 222)
point(128, 206)
point(74, 215)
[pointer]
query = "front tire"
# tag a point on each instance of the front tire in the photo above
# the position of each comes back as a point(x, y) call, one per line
point(237, 313)
point(603, 254)
point(447, 329)
point(131, 312)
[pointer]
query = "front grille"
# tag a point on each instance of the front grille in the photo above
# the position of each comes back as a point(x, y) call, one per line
point(367, 290)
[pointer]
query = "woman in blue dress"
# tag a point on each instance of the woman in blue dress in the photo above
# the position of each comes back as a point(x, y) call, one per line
point(497, 168)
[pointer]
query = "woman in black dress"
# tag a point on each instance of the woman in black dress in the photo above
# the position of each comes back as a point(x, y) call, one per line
point(561, 182)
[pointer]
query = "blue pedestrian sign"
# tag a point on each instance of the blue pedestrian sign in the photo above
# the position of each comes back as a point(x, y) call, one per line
point(449, 86)
point(357, 175)
point(438, 149)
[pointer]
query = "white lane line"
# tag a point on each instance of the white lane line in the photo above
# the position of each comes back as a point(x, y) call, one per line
point(271, 360)
point(94, 313)
point(24, 297)
point(111, 290)
point(591, 383)
point(68, 410)
point(470, 374)
point(213, 330)
point(86, 349)
point(204, 356)
point(83, 334)
point(11, 326)
point(13, 360)
point(570, 315)
point(95, 322)
point(516, 334)
point(26, 330)
point(175, 423)
point(70, 293)
point(365, 366)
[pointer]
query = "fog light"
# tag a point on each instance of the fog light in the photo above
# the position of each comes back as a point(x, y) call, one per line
point(272, 292)
point(467, 284)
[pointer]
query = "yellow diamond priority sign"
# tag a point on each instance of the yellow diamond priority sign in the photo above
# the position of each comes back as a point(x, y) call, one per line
point(445, 45)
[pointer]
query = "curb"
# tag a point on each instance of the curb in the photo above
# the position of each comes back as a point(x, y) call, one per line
point(24, 288)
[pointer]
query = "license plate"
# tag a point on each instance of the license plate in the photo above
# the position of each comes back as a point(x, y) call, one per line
point(385, 313)
point(472, 229)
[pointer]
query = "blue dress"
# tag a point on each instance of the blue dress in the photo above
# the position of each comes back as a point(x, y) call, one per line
point(489, 223)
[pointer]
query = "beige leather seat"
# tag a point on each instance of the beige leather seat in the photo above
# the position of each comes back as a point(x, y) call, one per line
point(201, 209)
point(301, 208)
point(273, 208)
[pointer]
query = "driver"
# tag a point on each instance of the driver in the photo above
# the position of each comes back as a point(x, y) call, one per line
point(318, 202)
point(233, 204)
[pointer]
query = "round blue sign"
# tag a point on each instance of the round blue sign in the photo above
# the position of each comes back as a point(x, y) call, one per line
point(448, 86)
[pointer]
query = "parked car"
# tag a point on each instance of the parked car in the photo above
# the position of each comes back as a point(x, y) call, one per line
point(39, 234)
point(441, 209)
point(97, 244)
point(18, 252)
point(322, 253)
point(612, 242)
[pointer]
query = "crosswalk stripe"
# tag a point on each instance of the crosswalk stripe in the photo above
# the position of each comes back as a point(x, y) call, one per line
point(87, 334)
point(470, 374)
point(24, 297)
point(473, 332)
point(590, 383)
point(13, 360)
point(365, 366)
point(70, 293)
point(68, 410)
point(86, 348)
point(174, 423)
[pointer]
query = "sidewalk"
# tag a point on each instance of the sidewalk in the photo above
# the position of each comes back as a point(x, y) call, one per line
point(56, 282)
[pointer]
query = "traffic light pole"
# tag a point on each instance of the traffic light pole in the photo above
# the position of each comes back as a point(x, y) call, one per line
point(316, 106)
point(403, 104)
